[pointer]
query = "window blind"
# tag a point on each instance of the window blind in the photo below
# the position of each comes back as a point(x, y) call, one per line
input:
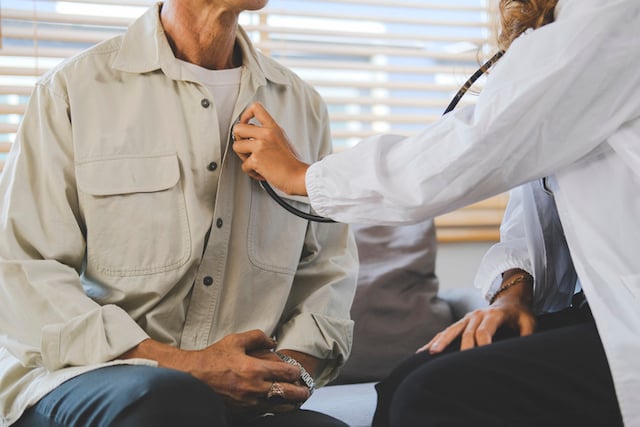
point(381, 66)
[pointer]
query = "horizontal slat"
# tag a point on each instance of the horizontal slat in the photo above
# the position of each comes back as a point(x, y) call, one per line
point(470, 218)
point(11, 109)
point(479, 222)
point(361, 134)
point(21, 71)
point(58, 35)
point(16, 90)
point(6, 128)
point(278, 49)
point(461, 235)
point(401, 4)
point(462, 70)
point(139, 3)
point(388, 118)
point(4, 147)
point(275, 32)
point(58, 52)
point(407, 19)
point(496, 202)
point(28, 15)
point(393, 102)
point(411, 5)
point(402, 85)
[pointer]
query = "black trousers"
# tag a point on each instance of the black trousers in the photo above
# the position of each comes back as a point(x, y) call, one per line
point(142, 396)
point(559, 376)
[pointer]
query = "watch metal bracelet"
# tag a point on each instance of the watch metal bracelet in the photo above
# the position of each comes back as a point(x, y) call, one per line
point(306, 378)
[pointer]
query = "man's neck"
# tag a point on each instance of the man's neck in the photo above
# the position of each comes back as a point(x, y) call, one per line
point(201, 33)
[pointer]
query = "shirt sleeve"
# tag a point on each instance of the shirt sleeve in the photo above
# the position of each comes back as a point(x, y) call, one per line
point(555, 96)
point(45, 316)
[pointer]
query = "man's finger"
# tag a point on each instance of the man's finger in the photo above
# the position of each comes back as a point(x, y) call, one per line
point(280, 371)
point(254, 340)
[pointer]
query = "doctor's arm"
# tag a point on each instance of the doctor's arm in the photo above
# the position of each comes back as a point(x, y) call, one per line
point(505, 278)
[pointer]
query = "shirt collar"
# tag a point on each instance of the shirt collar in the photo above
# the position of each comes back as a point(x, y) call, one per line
point(145, 48)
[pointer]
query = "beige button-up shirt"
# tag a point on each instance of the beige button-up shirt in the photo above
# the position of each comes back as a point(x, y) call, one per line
point(121, 218)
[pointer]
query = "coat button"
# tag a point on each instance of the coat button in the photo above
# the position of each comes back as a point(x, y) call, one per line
point(219, 223)
point(212, 166)
point(207, 281)
point(205, 103)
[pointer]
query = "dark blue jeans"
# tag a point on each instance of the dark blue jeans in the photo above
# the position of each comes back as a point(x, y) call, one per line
point(142, 396)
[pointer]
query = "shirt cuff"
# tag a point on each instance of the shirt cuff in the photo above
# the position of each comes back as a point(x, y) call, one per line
point(323, 337)
point(495, 262)
point(94, 337)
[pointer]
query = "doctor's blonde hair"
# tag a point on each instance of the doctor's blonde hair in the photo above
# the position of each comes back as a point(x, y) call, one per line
point(517, 16)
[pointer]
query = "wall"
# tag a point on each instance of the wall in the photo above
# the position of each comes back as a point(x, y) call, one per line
point(456, 263)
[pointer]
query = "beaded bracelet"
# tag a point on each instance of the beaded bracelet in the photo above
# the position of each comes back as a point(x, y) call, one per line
point(512, 281)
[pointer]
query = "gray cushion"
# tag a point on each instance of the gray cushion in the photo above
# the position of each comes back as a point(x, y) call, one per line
point(396, 309)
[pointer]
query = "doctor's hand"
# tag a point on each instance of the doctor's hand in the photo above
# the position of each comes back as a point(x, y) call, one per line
point(266, 153)
point(512, 308)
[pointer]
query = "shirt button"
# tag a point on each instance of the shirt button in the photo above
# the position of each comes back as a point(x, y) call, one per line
point(212, 166)
point(219, 223)
point(208, 281)
point(205, 103)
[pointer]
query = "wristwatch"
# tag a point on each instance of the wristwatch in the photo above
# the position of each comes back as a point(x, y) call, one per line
point(306, 378)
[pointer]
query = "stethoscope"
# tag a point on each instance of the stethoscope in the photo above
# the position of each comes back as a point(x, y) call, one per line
point(454, 101)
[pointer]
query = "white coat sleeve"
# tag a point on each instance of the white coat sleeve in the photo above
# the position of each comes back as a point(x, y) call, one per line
point(46, 318)
point(556, 95)
point(511, 252)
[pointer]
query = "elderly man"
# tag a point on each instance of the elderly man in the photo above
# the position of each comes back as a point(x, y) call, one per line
point(144, 279)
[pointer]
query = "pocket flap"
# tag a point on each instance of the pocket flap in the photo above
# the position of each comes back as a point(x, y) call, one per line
point(128, 175)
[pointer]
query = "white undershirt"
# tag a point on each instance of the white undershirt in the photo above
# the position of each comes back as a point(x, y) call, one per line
point(224, 86)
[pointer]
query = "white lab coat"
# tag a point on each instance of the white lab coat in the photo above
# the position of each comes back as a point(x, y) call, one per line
point(564, 102)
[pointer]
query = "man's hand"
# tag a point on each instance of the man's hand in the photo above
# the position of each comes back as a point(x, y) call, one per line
point(266, 153)
point(234, 367)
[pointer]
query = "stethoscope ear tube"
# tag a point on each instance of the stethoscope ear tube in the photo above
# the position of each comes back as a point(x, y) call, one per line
point(454, 101)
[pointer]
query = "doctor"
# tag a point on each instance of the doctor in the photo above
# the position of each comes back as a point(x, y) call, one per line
point(560, 116)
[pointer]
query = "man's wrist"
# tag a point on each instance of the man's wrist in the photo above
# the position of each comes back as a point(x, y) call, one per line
point(305, 376)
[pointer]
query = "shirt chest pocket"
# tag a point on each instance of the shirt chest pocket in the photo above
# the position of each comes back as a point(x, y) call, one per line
point(135, 215)
point(275, 236)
